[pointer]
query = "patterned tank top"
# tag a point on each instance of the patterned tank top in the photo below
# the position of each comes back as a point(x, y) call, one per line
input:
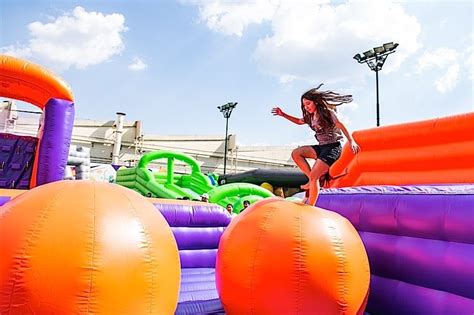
point(325, 135)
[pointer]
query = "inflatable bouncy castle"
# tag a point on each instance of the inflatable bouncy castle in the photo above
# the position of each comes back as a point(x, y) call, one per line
point(26, 162)
point(420, 244)
point(410, 195)
point(153, 183)
point(393, 234)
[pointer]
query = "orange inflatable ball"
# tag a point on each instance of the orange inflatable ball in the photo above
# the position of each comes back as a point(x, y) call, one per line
point(82, 247)
point(289, 258)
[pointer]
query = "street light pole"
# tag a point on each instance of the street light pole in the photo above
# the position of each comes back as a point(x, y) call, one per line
point(379, 55)
point(227, 111)
point(377, 95)
point(226, 139)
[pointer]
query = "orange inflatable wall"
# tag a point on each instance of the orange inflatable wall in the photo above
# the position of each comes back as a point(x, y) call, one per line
point(426, 152)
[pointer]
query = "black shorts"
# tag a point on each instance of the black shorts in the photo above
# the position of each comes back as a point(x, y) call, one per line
point(328, 153)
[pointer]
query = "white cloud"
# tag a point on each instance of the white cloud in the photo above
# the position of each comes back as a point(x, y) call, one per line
point(445, 59)
point(469, 57)
point(345, 111)
point(137, 65)
point(440, 58)
point(312, 38)
point(442, 24)
point(316, 39)
point(448, 81)
point(17, 51)
point(232, 18)
point(76, 39)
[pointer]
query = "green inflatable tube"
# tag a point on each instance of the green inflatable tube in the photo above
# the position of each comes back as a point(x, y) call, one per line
point(231, 193)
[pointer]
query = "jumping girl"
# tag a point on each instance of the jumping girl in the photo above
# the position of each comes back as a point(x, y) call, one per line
point(318, 109)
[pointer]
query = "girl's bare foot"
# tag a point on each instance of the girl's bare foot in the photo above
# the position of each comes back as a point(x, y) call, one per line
point(305, 186)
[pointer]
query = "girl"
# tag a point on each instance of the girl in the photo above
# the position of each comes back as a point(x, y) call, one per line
point(318, 109)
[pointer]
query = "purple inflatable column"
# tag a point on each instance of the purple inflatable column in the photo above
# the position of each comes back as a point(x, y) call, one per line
point(55, 141)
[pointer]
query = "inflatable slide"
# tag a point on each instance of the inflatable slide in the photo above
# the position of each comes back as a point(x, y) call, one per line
point(165, 185)
point(176, 186)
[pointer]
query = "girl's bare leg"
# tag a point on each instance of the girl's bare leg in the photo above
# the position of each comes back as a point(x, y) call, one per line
point(318, 170)
point(299, 155)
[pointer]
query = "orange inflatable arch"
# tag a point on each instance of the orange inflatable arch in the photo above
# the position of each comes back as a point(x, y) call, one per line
point(25, 81)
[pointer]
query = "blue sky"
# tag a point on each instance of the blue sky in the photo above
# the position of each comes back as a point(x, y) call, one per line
point(171, 63)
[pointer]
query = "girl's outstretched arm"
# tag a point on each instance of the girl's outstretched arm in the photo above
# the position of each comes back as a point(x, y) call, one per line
point(354, 146)
point(276, 111)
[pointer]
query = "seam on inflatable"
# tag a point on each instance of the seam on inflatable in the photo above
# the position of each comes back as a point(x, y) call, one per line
point(395, 217)
point(299, 259)
point(443, 232)
point(149, 256)
point(224, 248)
point(338, 245)
point(92, 265)
point(263, 228)
point(21, 259)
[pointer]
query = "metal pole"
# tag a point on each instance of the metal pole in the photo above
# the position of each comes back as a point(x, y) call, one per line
point(377, 89)
point(118, 138)
point(225, 149)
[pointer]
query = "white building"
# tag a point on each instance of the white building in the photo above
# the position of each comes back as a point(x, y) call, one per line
point(130, 144)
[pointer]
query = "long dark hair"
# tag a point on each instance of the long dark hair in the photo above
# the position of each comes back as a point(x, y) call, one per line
point(324, 101)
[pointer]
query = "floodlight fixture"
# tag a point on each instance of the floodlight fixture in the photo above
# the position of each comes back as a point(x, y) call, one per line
point(390, 46)
point(379, 50)
point(375, 59)
point(369, 54)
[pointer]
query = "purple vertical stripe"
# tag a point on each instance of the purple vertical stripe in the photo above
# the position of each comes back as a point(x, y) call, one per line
point(54, 147)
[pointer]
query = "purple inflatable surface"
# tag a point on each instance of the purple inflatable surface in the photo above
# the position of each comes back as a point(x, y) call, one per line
point(198, 293)
point(4, 199)
point(17, 157)
point(420, 243)
point(197, 229)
